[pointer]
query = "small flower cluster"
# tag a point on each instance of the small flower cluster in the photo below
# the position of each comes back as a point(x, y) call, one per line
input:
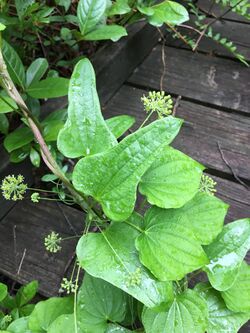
point(134, 279)
point(5, 321)
point(35, 197)
point(13, 187)
point(207, 185)
point(158, 102)
point(52, 242)
point(69, 286)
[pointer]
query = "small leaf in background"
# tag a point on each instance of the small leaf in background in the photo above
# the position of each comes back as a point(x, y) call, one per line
point(220, 318)
point(112, 256)
point(36, 71)
point(169, 12)
point(18, 138)
point(6, 104)
point(50, 177)
point(119, 7)
point(2, 27)
point(172, 179)
point(65, 3)
point(26, 293)
point(104, 32)
point(99, 302)
point(168, 248)
point(112, 177)
point(120, 124)
point(14, 64)
point(51, 87)
point(22, 6)
point(46, 312)
point(204, 215)
point(19, 155)
point(85, 131)
point(19, 325)
point(51, 130)
point(226, 254)
point(89, 13)
point(4, 124)
point(3, 291)
point(63, 324)
point(237, 297)
point(188, 313)
point(35, 157)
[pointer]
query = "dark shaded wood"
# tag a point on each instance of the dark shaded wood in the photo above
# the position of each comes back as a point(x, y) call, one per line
point(236, 32)
point(29, 223)
point(212, 80)
point(203, 130)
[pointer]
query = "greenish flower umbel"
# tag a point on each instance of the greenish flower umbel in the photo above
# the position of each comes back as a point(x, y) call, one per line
point(35, 197)
point(52, 242)
point(13, 187)
point(207, 185)
point(158, 102)
point(68, 285)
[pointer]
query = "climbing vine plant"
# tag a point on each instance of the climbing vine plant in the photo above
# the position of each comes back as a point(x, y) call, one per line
point(139, 262)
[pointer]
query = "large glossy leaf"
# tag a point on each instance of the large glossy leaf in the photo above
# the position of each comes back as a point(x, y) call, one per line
point(104, 32)
point(120, 124)
point(172, 180)
point(169, 12)
point(226, 254)
point(237, 298)
point(188, 313)
point(19, 325)
point(112, 256)
point(14, 64)
point(36, 70)
point(112, 177)
point(168, 248)
point(49, 88)
point(46, 312)
point(204, 215)
point(220, 318)
point(63, 324)
point(85, 131)
point(18, 138)
point(89, 13)
point(99, 302)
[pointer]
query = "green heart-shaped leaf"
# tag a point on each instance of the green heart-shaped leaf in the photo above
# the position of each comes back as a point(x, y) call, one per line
point(62, 324)
point(172, 179)
point(112, 256)
point(120, 124)
point(168, 248)
point(220, 318)
point(112, 177)
point(226, 254)
point(237, 298)
point(99, 302)
point(188, 313)
point(85, 131)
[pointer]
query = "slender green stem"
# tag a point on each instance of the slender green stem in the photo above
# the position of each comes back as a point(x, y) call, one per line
point(146, 119)
point(71, 237)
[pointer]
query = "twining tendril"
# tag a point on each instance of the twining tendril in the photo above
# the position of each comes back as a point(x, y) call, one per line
point(13, 187)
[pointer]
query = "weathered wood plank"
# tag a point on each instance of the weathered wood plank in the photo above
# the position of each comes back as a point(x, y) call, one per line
point(204, 131)
point(24, 229)
point(236, 32)
point(212, 80)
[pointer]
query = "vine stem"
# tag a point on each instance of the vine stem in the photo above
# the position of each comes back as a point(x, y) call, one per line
point(34, 125)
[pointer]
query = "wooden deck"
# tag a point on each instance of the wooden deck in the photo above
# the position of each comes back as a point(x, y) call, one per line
point(215, 104)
